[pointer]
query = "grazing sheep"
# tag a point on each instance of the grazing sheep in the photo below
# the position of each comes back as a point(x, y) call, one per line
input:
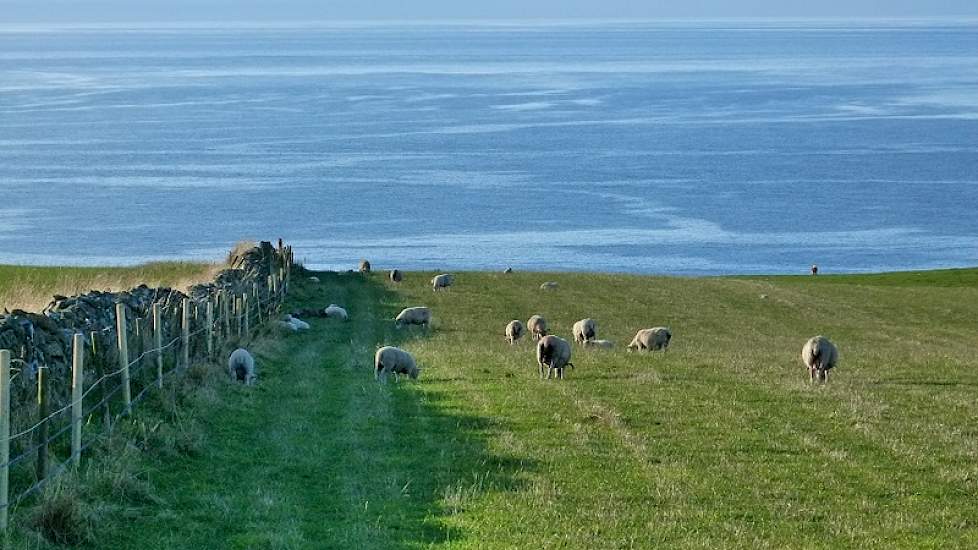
point(444, 280)
point(296, 323)
point(413, 316)
point(537, 326)
point(394, 360)
point(819, 355)
point(554, 353)
point(508, 270)
point(603, 344)
point(314, 279)
point(364, 266)
point(651, 339)
point(396, 276)
point(335, 312)
point(241, 366)
point(514, 331)
point(584, 330)
point(549, 285)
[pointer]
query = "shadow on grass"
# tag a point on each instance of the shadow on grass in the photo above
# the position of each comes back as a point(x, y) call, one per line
point(416, 459)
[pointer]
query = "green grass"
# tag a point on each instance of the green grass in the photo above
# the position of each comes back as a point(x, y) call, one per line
point(31, 288)
point(719, 443)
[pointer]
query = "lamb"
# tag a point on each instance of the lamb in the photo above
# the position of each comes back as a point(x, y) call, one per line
point(396, 276)
point(296, 323)
point(413, 316)
point(444, 280)
point(241, 366)
point(549, 285)
point(514, 331)
point(603, 344)
point(537, 326)
point(584, 330)
point(394, 360)
point(335, 312)
point(554, 353)
point(651, 339)
point(819, 355)
point(364, 266)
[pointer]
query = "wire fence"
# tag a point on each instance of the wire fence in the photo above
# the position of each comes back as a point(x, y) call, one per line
point(229, 317)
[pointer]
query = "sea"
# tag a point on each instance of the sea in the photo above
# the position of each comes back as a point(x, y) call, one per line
point(665, 147)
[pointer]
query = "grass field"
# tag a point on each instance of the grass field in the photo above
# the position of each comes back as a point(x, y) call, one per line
point(719, 443)
point(31, 288)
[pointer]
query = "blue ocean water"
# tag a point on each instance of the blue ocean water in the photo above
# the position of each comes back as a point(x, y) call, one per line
point(693, 148)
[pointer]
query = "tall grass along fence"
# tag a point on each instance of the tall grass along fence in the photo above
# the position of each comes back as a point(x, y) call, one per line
point(68, 374)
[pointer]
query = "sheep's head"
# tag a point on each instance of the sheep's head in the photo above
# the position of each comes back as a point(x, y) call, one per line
point(414, 372)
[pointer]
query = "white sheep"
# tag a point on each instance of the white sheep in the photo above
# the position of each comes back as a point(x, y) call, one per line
point(336, 312)
point(819, 355)
point(584, 330)
point(444, 280)
point(549, 285)
point(413, 316)
point(514, 331)
point(396, 276)
point(553, 353)
point(651, 339)
point(241, 366)
point(394, 360)
point(537, 326)
point(364, 266)
point(603, 344)
point(314, 279)
point(296, 323)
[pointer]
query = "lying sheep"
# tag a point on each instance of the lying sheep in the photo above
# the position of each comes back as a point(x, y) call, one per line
point(241, 366)
point(549, 285)
point(335, 312)
point(819, 355)
point(314, 279)
point(537, 326)
point(651, 339)
point(296, 323)
point(444, 280)
point(603, 344)
point(396, 276)
point(413, 316)
point(514, 331)
point(584, 330)
point(554, 353)
point(364, 266)
point(394, 360)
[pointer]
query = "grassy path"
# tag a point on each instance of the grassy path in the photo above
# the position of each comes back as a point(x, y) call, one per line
point(717, 444)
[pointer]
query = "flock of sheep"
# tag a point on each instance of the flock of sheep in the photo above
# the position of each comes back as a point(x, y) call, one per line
point(553, 353)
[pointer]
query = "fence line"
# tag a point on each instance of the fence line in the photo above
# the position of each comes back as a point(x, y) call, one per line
point(230, 307)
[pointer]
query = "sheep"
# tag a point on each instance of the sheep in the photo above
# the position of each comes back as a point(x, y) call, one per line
point(396, 276)
point(514, 331)
point(508, 271)
point(819, 355)
point(444, 280)
point(603, 344)
point(336, 312)
point(549, 285)
point(537, 326)
point(651, 339)
point(413, 316)
point(554, 353)
point(394, 360)
point(314, 279)
point(364, 266)
point(584, 330)
point(296, 323)
point(241, 366)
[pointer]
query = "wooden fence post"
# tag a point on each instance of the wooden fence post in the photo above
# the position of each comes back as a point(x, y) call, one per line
point(271, 295)
point(4, 437)
point(185, 338)
point(247, 321)
point(257, 301)
point(237, 315)
point(209, 319)
point(226, 314)
point(41, 435)
point(123, 340)
point(77, 377)
point(158, 342)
